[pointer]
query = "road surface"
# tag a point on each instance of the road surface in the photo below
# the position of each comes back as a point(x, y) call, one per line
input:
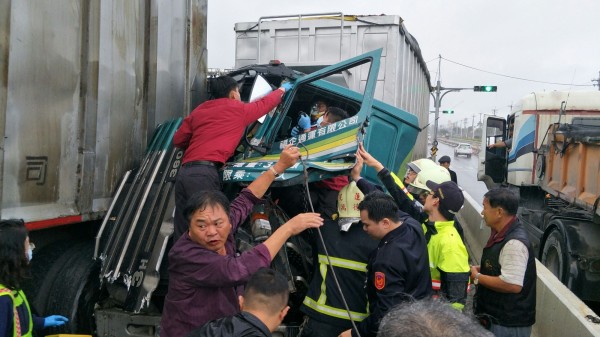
point(466, 172)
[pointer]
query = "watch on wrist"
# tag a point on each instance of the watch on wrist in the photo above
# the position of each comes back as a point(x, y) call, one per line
point(274, 172)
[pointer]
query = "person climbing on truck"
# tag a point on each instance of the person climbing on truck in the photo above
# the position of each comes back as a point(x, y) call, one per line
point(210, 135)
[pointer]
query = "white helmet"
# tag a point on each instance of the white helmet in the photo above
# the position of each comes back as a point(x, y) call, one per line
point(421, 164)
point(437, 174)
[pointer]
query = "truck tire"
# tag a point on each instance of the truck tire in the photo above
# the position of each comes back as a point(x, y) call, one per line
point(69, 287)
point(554, 255)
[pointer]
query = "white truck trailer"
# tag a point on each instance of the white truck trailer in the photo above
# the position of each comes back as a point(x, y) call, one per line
point(308, 42)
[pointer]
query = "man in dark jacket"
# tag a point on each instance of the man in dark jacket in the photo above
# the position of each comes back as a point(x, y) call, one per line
point(398, 270)
point(445, 162)
point(348, 247)
point(264, 305)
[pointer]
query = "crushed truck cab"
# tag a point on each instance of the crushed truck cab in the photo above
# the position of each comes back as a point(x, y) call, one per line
point(327, 151)
point(134, 239)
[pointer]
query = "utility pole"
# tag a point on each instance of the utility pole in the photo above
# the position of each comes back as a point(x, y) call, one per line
point(597, 80)
point(438, 94)
point(494, 111)
point(473, 126)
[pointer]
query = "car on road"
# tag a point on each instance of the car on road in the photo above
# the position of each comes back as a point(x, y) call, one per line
point(463, 149)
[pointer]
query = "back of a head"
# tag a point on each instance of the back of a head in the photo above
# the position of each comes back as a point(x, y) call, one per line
point(380, 205)
point(429, 318)
point(12, 253)
point(266, 291)
point(221, 86)
point(336, 114)
point(504, 198)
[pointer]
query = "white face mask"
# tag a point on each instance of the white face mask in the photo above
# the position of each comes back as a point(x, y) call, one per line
point(29, 254)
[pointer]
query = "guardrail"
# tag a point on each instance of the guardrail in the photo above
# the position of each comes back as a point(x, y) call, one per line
point(454, 142)
point(558, 311)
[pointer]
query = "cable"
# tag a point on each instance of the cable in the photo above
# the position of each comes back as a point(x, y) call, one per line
point(514, 77)
point(335, 279)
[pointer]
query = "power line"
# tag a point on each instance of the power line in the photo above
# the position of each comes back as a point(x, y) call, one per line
point(514, 77)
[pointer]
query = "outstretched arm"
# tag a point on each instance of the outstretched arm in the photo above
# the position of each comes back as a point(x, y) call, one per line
point(288, 158)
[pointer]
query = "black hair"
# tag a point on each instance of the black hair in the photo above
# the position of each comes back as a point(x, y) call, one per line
point(221, 86)
point(336, 114)
point(203, 199)
point(379, 206)
point(13, 262)
point(268, 290)
point(504, 198)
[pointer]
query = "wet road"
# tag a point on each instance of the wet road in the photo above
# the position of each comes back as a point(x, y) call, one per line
point(466, 172)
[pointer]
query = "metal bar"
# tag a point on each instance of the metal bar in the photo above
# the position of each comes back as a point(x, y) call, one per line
point(299, 16)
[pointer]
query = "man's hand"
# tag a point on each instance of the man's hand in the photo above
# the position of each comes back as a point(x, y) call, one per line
point(474, 271)
point(288, 158)
point(303, 221)
point(368, 159)
point(347, 333)
point(355, 173)
point(304, 122)
point(287, 86)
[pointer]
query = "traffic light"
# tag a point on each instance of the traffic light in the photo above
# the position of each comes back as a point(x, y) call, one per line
point(448, 111)
point(485, 88)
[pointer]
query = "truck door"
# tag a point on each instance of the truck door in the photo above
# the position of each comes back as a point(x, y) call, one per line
point(492, 165)
point(326, 150)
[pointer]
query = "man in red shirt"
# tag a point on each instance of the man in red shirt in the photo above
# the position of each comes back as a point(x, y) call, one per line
point(210, 135)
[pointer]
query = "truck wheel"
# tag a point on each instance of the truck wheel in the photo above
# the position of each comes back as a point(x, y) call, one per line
point(554, 255)
point(70, 287)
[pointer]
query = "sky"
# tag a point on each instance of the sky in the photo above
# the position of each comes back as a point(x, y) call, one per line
point(542, 41)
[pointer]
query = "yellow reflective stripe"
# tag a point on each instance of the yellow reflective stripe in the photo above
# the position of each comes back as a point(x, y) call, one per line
point(343, 263)
point(401, 185)
point(334, 312)
point(323, 295)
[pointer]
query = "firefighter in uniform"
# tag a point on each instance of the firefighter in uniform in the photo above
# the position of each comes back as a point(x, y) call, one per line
point(397, 270)
point(348, 247)
point(448, 257)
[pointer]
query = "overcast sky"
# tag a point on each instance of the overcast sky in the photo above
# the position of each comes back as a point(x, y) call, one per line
point(541, 40)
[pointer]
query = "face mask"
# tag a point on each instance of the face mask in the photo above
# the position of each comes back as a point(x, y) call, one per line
point(29, 254)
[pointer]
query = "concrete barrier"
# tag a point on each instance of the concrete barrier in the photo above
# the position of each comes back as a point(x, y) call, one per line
point(558, 311)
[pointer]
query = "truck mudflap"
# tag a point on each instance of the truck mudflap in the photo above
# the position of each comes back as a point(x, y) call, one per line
point(133, 237)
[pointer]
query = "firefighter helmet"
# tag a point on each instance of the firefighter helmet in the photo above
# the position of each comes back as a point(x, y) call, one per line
point(421, 164)
point(437, 174)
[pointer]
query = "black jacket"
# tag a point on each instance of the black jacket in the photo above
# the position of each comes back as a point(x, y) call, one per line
point(514, 310)
point(397, 271)
point(349, 252)
point(242, 324)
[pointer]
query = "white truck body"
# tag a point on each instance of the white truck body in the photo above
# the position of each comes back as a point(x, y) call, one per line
point(532, 119)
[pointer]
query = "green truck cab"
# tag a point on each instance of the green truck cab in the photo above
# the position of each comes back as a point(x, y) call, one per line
point(388, 133)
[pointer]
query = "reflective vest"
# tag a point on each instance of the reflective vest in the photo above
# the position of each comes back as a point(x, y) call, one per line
point(447, 252)
point(17, 301)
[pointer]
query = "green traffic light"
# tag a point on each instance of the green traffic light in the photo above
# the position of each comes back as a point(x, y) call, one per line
point(485, 88)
